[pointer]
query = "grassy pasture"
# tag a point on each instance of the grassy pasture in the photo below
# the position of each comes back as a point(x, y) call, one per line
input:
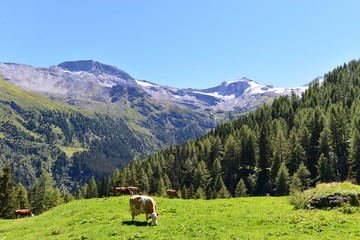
point(236, 218)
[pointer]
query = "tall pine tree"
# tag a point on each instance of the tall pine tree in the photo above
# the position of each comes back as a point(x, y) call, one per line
point(8, 198)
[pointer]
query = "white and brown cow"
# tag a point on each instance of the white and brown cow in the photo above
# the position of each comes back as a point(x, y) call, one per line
point(172, 193)
point(143, 204)
point(128, 190)
point(23, 213)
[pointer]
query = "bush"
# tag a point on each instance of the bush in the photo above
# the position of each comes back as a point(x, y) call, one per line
point(347, 208)
point(298, 199)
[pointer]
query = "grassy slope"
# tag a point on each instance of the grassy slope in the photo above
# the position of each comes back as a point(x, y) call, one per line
point(28, 100)
point(25, 100)
point(236, 218)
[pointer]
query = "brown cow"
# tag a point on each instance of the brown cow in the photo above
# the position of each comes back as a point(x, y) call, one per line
point(124, 190)
point(128, 190)
point(135, 190)
point(23, 213)
point(143, 204)
point(172, 193)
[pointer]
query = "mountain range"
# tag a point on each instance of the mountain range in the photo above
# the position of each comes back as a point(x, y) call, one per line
point(84, 118)
point(90, 84)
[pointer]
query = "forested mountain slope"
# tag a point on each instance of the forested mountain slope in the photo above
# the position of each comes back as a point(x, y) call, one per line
point(38, 134)
point(312, 138)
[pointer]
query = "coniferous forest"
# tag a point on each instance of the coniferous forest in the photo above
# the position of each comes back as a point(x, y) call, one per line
point(294, 141)
point(297, 140)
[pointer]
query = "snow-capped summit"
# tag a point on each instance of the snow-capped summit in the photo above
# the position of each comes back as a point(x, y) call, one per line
point(242, 95)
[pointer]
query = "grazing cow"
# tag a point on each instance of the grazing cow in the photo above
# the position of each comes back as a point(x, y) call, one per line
point(124, 190)
point(23, 213)
point(135, 190)
point(128, 190)
point(172, 193)
point(143, 204)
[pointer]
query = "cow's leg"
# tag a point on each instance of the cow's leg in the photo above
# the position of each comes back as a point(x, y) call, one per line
point(133, 215)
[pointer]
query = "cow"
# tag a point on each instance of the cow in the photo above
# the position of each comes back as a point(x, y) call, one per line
point(128, 190)
point(124, 190)
point(135, 190)
point(172, 193)
point(23, 213)
point(143, 204)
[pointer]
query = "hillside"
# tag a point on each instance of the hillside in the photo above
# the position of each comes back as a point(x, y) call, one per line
point(304, 140)
point(39, 134)
point(238, 218)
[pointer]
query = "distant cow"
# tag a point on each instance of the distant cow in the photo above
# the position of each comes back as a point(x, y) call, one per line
point(23, 213)
point(124, 191)
point(143, 204)
point(135, 190)
point(172, 193)
point(128, 190)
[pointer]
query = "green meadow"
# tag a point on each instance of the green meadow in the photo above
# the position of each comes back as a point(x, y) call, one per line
point(235, 218)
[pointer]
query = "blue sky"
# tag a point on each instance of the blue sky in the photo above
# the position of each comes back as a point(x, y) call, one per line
point(187, 43)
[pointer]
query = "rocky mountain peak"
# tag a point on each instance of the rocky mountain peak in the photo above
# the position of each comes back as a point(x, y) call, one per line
point(236, 87)
point(94, 68)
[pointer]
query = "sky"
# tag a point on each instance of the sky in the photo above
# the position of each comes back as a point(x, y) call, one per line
point(188, 43)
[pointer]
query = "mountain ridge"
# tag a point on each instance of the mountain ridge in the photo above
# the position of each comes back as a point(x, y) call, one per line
point(91, 81)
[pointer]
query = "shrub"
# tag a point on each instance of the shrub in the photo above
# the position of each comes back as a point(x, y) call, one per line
point(298, 199)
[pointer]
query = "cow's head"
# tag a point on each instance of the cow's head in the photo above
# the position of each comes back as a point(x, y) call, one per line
point(154, 217)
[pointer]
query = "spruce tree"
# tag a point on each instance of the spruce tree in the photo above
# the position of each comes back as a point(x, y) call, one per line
point(200, 193)
point(278, 155)
point(219, 183)
point(52, 198)
point(295, 152)
point(247, 148)
point(295, 184)
point(184, 192)
point(144, 181)
point(105, 187)
point(22, 196)
point(84, 190)
point(78, 194)
point(324, 170)
point(337, 124)
point(201, 176)
point(304, 176)
point(8, 198)
point(44, 196)
point(161, 188)
point(118, 179)
point(264, 148)
point(282, 181)
point(68, 197)
point(240, 190)
point(231, 161)
point(92, 191)
point(223, 193)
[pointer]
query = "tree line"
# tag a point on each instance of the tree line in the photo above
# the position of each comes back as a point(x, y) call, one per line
point(295, 141)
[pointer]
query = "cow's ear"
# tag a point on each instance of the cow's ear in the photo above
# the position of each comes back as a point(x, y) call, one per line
point(157, 214)
point(149, 217)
